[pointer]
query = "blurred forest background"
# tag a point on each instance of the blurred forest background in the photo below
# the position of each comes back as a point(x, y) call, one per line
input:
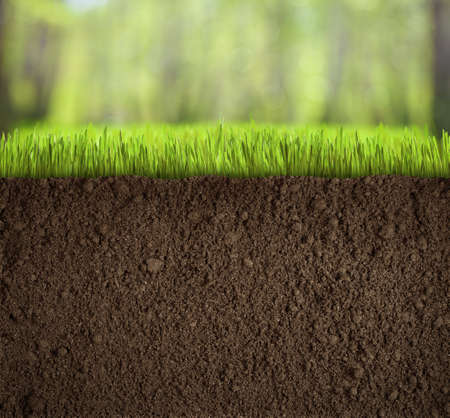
point(285, 61)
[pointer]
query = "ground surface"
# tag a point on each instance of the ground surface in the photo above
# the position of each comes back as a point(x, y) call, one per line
point(210, 296)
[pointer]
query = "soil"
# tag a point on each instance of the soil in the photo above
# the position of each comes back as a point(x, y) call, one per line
point(211, 296)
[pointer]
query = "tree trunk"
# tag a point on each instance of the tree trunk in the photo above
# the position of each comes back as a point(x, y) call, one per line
point(41, 67)
point(5, 103)
point(282, 62)
point(338, 45)
point(441, 65)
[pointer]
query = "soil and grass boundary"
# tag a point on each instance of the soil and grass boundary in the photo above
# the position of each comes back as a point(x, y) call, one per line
point(283, 295)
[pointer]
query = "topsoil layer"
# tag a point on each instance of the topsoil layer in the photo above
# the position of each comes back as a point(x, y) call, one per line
point(131, 296)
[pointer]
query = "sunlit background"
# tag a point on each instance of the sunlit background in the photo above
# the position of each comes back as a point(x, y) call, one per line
point(287, 61)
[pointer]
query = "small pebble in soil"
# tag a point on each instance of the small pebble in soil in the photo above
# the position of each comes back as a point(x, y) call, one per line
point(31, 356)
point(293, 308)
point(419, 304)
point(319, 204)
point(334, 339)
point(103, 229)
point(231, 238)
point(88, 186)
point(334, 222)
point(122, 188)
point(194, 216)
point(358, 372)
point(248, 262)
point(310, 239)
point(438, 323)
point(297, 226)
point(317, 252)
point(422, 243)
point(357, 317)
point(388, 231)
point(62, 351)
point(393, 395)
point(154, 265)
point(244, 215)
point(414, 257)
point(369, 354)
point(44, 344)
point(406, 317)
point(139, 199)
point(353, 391)
point(412, 381)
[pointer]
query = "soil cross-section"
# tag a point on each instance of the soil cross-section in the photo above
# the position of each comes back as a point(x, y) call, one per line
point(293, 296)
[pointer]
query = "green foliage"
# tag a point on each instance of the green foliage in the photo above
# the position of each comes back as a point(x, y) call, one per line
point(52, 12)
point(273, 60)
point(239, 150)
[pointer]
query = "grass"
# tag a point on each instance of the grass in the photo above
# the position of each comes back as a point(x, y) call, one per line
point(233, 150)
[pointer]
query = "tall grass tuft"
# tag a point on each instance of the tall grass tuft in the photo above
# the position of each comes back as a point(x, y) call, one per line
point(233, 150)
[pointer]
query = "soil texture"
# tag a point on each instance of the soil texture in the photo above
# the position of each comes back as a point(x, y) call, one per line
point(211, 296)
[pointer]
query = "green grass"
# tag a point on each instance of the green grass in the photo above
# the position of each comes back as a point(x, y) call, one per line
point(233, 150)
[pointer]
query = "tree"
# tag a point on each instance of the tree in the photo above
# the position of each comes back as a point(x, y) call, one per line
point(5, 102)
point(441, 65)
point(338, 46)
point(41, 66)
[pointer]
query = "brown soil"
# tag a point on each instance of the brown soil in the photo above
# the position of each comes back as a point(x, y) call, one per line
point(213, 296)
